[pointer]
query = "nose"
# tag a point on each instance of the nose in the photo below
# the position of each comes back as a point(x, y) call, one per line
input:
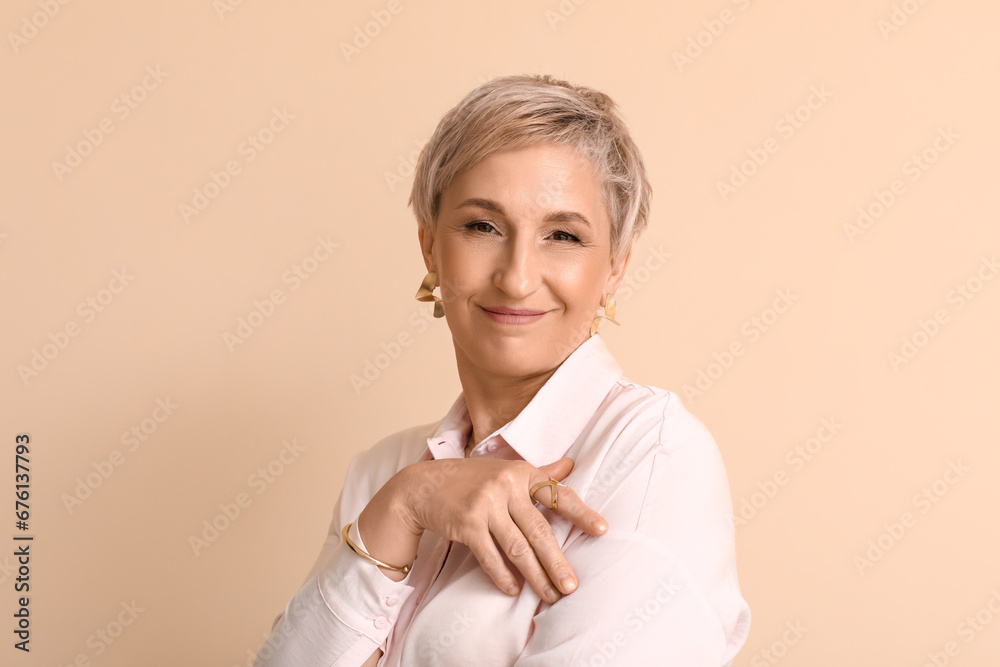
point(520, 271)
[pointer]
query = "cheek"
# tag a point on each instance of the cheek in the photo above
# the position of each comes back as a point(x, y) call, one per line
point(462, 272)
point(581, 288)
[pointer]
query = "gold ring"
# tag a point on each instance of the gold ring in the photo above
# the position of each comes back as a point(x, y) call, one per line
point(552, 484)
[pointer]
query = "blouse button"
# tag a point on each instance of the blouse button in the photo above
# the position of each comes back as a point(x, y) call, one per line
point(380, 622)
point(391, 601)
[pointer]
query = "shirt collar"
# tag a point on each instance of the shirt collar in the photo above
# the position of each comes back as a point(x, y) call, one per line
point(554, 418)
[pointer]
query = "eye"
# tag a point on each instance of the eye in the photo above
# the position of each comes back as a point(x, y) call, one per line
point(479, 226)
point(566, 237)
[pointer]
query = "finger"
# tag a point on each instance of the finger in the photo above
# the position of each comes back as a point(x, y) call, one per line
point(490, 559)
point(571, 506)
point(552, 565)
point(558, 469)
point(520, 550)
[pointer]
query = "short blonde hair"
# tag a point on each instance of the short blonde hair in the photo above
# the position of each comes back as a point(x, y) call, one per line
point(512, 112)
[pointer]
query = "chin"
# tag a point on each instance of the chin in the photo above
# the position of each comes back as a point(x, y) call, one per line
point(511, 355)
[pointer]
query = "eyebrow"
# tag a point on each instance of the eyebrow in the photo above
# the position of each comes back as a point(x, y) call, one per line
point(554, 216)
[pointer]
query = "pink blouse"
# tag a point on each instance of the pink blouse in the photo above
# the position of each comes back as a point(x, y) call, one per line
point(659, 587)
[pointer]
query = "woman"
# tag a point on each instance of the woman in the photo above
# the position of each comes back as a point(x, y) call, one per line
point(528, 197)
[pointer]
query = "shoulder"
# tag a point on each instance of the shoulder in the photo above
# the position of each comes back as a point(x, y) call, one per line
point(685, 501)
point(670, 424)
point(657, 420)
point(686, 463)
point(687, 505)
point(660, 468)
point(370, 468)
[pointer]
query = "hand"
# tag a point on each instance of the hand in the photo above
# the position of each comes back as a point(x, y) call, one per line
point(477, 501)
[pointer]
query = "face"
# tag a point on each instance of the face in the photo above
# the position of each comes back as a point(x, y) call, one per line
point(522, 251)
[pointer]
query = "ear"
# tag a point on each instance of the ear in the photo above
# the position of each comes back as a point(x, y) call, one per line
point(617, 275)
point(425, 235)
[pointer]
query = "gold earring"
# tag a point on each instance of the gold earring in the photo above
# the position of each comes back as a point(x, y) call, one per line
point(426, 293)
point(609, 314)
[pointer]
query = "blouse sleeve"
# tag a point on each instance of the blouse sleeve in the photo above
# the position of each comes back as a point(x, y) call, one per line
point(663, 591)
point(347, 607)
point(637, 604)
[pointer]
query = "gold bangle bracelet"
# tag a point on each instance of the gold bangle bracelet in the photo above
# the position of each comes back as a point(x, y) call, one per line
point(405, 569)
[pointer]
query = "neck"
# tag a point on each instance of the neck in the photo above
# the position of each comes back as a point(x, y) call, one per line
point(493, 400)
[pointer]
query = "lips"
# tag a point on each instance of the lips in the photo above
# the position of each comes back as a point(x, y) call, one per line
point(502, 310)
point(505, 315)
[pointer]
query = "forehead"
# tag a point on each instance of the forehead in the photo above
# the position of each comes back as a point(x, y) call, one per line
point(531, 180)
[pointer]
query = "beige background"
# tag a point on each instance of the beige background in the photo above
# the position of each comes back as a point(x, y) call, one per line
point(895, 77)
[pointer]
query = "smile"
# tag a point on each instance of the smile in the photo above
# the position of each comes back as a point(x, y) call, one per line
point(513, 315)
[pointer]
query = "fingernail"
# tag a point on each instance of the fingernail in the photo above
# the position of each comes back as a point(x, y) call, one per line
point(568, 584)
point(550, 594)
point(512, 589)
point(599, 525)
